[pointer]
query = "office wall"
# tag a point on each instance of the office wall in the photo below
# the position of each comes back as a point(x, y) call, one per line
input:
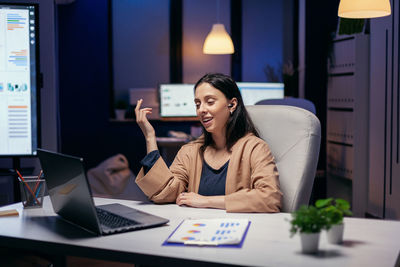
point(141, 42)
point(262, 38)
point(85, 80)
point(84, 71)
point(198, 18)
point(140, 36)
point(141, 50)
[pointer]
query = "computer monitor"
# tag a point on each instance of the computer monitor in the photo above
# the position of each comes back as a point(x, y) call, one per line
point(19, 68)
point(252, 92)
point(177, 100)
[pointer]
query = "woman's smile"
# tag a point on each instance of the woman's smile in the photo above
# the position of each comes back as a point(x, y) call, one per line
point(206, 121)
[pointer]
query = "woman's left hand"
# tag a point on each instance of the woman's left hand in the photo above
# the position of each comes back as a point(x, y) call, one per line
point(192, 199)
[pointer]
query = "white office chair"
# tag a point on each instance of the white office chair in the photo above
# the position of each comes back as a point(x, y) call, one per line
point(290, 101)
point(294, 136)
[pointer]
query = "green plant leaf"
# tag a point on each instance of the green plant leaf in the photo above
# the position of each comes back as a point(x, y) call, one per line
point(333, 210)
point(347, 212)
point(320, 203)
point(342, 204)
point(308, 219)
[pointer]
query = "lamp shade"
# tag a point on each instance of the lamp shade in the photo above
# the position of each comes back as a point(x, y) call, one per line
point(218, 41)
point(363, 9)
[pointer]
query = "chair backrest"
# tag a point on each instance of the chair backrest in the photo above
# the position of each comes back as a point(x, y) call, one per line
point(290, 101)
point(294, 136)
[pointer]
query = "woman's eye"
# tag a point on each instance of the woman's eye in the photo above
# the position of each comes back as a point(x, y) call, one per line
point(210, 102)
point(197, 105)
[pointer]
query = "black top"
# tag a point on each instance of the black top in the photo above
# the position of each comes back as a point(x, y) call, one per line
point(149, 160)
point(212, 182)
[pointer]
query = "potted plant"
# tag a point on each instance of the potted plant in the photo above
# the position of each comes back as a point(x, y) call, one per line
point(309, 222)
point(120, 109)
point(334, 210)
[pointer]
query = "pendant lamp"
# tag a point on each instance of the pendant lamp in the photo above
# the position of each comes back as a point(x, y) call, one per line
point(363, 9)
point(218, 41)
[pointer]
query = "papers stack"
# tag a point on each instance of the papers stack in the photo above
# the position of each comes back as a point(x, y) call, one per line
point(210, 232)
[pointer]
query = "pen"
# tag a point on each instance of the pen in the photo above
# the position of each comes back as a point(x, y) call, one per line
point(201, 243)
point(38, 180)
point(27, 186)
point(5, 213)
point(38, 190)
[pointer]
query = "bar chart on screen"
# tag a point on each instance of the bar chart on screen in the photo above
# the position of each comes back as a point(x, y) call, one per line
point(18, 80)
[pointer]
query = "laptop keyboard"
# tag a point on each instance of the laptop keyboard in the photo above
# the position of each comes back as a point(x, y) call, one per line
point(113, 221)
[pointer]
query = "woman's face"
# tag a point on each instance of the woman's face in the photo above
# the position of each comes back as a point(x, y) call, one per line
point(213, 108)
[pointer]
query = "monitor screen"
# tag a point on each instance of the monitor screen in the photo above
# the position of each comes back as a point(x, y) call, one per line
point(253, 92)
point(18, 83)
point(177, 100)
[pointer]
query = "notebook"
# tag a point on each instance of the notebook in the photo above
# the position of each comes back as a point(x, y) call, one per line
point(71, 198)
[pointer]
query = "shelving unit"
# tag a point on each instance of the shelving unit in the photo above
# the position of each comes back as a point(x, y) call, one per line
point(347, 121)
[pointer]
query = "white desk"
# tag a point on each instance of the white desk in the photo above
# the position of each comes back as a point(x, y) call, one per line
point(367, 242)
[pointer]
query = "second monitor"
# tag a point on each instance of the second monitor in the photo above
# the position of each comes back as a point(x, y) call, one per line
point(254, 92)
point(177, 100)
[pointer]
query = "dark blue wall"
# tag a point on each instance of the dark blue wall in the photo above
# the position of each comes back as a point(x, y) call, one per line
point(85, 82)
point(262, 38)
point(84, 76)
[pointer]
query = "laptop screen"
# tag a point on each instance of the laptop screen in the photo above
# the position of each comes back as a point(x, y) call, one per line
point(68, 189)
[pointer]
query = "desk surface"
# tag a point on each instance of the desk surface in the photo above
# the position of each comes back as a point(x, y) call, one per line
point(366, 242)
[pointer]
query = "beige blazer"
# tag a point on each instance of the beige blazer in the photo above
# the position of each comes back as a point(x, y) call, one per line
point(251, 182)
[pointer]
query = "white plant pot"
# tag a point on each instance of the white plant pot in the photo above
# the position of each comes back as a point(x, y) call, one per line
point(335, 234)
point(309, 242)
point(120, 114)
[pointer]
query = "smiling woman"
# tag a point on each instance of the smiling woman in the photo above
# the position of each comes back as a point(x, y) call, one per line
point(213, 109)
point(228, 167)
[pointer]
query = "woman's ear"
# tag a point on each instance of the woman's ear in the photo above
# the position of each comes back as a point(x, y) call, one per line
point(232, 104)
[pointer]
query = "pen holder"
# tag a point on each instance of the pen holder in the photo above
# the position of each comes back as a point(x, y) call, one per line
point(32, 192)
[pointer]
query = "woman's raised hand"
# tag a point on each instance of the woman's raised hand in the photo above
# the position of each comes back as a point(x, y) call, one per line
point(145, 126)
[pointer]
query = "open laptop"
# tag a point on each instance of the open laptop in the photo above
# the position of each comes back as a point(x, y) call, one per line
point(71, 198)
